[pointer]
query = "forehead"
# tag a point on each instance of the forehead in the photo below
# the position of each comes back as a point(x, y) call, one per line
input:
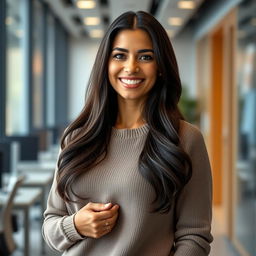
point(133, 38)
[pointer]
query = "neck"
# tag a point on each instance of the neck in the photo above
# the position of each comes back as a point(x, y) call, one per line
point(129, 115)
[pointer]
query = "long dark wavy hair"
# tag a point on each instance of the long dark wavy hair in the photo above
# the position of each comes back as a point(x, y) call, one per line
point(163, 162)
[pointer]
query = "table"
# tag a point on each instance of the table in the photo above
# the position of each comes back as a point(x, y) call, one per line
point(24, 199)
point(39, 180)
point(35, 180)
point(44, 166)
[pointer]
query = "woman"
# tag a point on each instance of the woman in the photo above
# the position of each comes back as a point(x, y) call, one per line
point(133, 178)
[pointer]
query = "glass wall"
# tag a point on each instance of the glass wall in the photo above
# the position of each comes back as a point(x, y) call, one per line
point(35, 80)
point(245, 207)
point(16, 87)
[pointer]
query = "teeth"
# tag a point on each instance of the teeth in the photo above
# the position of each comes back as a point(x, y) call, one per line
point(128, 81)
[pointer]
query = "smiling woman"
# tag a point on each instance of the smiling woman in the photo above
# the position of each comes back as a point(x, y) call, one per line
point(132, 70)
point(133, 178)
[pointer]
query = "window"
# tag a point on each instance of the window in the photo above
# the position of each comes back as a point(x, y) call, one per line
point(16, 86)
point(245, 205)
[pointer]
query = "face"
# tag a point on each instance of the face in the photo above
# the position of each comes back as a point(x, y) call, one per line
point(132, 68)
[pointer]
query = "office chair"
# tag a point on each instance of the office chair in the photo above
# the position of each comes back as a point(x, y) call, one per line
point(7, 243)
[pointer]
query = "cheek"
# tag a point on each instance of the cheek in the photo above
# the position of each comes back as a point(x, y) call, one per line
point(152, 73)
point(112, 69)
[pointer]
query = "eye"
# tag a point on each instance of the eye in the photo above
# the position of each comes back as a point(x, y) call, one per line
point(146, 57)
point(119, 56)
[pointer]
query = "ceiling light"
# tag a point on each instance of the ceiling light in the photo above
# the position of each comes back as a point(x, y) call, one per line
point(92, 21)
point(96, 33)
point(175, 21)
point(85, 4)
point(186, 4)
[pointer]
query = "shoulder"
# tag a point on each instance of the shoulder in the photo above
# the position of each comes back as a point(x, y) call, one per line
point(190, 136)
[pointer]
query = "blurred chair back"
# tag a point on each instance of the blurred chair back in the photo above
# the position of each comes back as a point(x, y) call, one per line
point(1, 170)
point(43, 136)
point(5, 150)
point(7, 243)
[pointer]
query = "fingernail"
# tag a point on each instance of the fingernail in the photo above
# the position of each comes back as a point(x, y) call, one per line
point(108, 204)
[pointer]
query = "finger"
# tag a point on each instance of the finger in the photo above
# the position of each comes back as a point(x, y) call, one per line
point(115, 208)
point(110, 221)
point(106, 224)
point(98, 206)
point(104, 215)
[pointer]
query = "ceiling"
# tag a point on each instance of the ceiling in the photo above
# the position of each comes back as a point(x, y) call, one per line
point(106, 11)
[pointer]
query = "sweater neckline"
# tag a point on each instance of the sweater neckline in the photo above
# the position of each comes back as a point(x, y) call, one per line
point(130, 133)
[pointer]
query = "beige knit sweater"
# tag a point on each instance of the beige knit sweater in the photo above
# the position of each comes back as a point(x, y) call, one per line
point(184, 231)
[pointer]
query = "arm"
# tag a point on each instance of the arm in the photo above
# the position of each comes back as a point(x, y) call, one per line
point(194, 204)
point(58, 229)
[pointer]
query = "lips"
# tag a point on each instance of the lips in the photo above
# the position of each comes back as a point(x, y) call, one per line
point(131, 82)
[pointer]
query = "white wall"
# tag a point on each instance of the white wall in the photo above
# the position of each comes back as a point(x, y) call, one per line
point(82, 56)
point(185, 50)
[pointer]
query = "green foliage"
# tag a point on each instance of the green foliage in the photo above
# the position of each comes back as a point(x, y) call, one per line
point(188, 106)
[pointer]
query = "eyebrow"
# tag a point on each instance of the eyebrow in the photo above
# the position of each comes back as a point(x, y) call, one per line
point(139, 51)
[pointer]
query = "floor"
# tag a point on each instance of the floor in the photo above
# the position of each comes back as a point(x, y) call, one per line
point(220, 246)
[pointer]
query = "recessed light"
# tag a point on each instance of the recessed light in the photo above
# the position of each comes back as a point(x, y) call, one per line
point(175, 21)
point(186, 4)
point(92, 21)
point(96, 33)
point(86, 4)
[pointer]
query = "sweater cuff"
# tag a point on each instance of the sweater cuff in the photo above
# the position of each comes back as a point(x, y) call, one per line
point(69, 229)
point(190, 246)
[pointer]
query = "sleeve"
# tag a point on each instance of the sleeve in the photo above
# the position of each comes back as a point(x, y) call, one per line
point(58, 228)
point(194, 204)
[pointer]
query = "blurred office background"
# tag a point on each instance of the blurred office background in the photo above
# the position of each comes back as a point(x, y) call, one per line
point(47, 48)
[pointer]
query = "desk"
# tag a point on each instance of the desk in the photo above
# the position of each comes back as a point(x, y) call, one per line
point(24, 199)
point(39, 180)
point(35, 180)
point(27, 166)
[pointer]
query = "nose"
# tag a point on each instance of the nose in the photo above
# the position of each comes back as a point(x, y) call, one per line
point(131, 66)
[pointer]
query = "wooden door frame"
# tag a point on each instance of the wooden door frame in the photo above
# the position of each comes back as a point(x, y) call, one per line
point(220, 105)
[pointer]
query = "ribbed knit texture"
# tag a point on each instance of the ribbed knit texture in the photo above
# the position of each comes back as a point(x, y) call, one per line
point(184, 231)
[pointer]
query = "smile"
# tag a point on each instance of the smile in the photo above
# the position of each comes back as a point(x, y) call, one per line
point(131, 81)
